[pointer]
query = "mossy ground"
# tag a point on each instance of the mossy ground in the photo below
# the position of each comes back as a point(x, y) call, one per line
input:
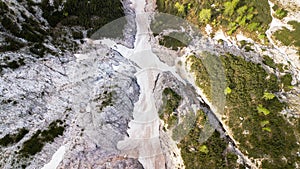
point(277, 66)
point(170, 42)
point(209, 76)
point(175, 40)
point(289, 37)
point(171, 101)
point(201, 74)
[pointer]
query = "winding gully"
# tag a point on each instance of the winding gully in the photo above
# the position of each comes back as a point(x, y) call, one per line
point(143, 141)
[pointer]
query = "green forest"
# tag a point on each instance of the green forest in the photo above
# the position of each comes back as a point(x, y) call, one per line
point(252, 17)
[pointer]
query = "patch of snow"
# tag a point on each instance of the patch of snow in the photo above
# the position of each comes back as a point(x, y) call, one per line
point(56, 158)
point(208, 29)
point(220, 35)
point(80, 57)
point(240, 37)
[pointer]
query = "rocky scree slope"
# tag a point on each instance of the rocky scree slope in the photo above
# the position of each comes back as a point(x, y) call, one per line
point(50, 98)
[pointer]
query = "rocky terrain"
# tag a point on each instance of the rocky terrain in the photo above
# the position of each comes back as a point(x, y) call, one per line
point(126, 87)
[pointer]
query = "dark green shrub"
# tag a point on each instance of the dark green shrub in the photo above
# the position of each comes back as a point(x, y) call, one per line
point(36, 143)
point(13, 138)
point(269, 61)
point(171, 101)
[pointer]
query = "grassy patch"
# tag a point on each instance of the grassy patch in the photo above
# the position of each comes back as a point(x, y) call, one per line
point(269, 62)
point(171, 101)
point(289, 37)
point(201, 74)
point(209, 76)
point(170, 42)
point(175, 40)
point(286, 81)
point(247, 46)
point(36, 143)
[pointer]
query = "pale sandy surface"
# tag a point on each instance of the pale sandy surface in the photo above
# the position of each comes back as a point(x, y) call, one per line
point(143, 141)
point(56, 158)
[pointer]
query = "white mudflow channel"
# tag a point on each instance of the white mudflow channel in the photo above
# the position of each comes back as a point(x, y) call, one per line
point(143, 141)
point(56, 158)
